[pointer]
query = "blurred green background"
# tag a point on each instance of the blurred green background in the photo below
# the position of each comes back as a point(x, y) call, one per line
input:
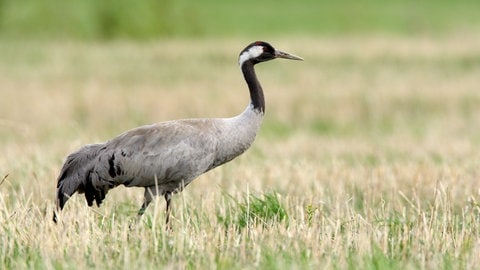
point(150, 19)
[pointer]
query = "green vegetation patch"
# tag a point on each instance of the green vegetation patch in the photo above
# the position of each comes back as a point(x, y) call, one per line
point(146, 19)
point(265, 211)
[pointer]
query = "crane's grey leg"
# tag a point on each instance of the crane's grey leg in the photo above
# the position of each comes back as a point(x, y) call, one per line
point(168, 198)
point(148, 197)
point(150, 193)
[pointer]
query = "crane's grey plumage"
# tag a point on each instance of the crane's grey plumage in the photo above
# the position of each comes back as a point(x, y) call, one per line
point(165, 157)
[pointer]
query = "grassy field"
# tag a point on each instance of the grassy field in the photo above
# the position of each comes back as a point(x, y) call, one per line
point(368, 157)
point(147, 19)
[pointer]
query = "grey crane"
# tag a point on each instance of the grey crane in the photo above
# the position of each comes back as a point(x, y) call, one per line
point(165, 157)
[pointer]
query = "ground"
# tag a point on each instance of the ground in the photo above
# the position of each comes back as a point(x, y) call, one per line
point(368, 157)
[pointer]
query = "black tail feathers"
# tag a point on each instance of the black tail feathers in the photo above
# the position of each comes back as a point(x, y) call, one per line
point(76, 176)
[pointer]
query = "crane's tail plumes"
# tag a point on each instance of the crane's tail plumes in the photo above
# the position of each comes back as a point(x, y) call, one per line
point(75, 176)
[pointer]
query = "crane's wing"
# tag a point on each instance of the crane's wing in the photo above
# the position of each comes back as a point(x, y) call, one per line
point(169, 154)
point(166, 152)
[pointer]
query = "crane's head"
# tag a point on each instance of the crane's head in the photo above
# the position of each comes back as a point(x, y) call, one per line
point(260, 51)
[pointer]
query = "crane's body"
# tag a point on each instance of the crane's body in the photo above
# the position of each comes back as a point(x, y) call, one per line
point(165, 157)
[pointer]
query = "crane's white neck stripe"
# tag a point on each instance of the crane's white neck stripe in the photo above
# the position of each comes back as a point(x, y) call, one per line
point(253, 52)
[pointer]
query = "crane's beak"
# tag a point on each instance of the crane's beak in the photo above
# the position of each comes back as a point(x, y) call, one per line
point(280, 54)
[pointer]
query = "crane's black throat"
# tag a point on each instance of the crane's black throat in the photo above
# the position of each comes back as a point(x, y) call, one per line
point(256, 92)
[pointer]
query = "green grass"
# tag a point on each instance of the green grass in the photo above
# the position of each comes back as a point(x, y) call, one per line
point(254, 211)
point(149, 19)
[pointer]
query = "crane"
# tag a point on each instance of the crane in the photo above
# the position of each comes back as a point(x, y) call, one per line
point(165, 157)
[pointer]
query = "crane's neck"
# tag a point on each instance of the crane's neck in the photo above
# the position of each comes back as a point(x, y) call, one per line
point(256, 93)
point(236, 134)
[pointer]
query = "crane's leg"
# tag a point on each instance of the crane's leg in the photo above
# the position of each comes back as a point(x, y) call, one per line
point(148, 197)
point(150, 193)
point(168, 198)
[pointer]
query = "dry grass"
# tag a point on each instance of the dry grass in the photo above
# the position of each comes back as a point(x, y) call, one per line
point(371, 145)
